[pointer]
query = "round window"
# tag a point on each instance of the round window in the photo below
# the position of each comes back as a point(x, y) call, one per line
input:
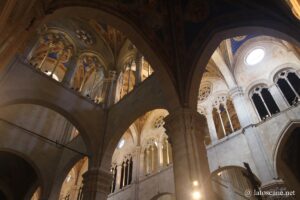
point(255, 56)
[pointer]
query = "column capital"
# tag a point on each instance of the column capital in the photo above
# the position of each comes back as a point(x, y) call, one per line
point(185, 118)
point(236, 91)
point(95, 182)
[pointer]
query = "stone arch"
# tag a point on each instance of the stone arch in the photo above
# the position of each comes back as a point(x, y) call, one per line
point(251, 86)
point(116, 136)
point(261, 27)
point(19, 97)
point(134, 134)
point(96, 54)
point(230, 182)
point(68, 36)
point(82, 9)
point(281, 68)
point(229, 167)
point(61, 175)
point(41, 180)
point(280, 167)
point(163, 196)
point(130, 108)
point(64, 172)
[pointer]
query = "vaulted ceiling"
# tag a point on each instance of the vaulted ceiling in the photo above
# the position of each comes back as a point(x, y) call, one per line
point(180, 32)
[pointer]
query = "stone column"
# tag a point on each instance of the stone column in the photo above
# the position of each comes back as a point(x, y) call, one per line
point(229, 118)
point(96, 184)
point(160, 155)
point(278, 98)
point(124, 174)
point(136, 164)
point(147, 161)
point(71, 71)
point(211, 127)
point(139, 68)
point(118, 178)
point(221, 120)
point(186, 129)
point(243, 111)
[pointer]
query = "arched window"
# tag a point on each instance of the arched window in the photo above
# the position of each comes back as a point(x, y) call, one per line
point(130, 162)
point(263, 102)
point(167, 152)
point(218, 124)
point(232, 115)
point(127, 80)
point(122, 176)
point(289, 83)
point(114, 175)
point(151, 157)
point(126, 172)
point(224, 116)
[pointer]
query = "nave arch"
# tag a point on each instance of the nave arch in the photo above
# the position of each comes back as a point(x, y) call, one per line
point(43, 99)
point(285, 156)
point(123, 114)
point(268, 28)
point(23, 167)
point(47, 132)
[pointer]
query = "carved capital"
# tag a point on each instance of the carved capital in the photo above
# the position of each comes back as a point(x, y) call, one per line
point(96, 180)
point(235, 92)
point(185, 121)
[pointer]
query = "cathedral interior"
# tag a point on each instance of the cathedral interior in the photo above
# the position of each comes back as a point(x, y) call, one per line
point(149, 100)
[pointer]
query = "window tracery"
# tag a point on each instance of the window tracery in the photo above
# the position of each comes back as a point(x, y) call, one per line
point(159, 122)
point(204, 92)
point(85, 36)
point(289, 83)
point(224, 116)
point(150, 156)
point(263, 102)
point(126, 172)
